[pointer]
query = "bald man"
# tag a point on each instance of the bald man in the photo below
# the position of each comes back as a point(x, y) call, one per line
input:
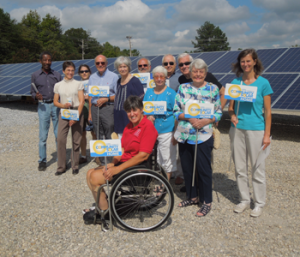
point(103, 77)
point(144, 65)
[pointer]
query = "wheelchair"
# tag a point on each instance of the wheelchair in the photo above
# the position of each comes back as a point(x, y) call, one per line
point(134, 200)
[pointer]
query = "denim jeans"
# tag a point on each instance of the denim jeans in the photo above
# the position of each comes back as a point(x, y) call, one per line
point(46, 112)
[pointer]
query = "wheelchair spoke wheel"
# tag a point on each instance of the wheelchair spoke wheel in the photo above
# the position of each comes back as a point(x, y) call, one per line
point(136, 204)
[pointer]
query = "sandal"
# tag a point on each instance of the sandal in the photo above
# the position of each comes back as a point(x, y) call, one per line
point(159, 191)
point(189, 202)
point(203, 210)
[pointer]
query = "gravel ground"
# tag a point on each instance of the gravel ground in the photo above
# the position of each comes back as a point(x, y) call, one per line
point(41, 213)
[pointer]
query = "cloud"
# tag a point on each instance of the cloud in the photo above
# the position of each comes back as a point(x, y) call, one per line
point(236, 28)
point(215, 11)
point(279, 6)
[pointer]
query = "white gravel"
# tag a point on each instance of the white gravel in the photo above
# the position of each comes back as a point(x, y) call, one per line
point(41, 213)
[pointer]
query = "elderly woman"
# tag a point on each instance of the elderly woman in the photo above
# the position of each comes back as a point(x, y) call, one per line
point(250, 130)
point(138, 140)
point(201, 91)
point(164, 124)
point(68, 93)
point(127, 85)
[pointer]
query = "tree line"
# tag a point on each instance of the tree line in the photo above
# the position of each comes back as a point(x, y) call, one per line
point(24, 41)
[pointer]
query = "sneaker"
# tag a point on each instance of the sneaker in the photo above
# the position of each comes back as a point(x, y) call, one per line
point(239, 208)
point(42, 166)
point(256, 212)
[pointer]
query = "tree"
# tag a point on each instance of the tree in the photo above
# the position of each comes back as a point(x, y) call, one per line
point(210, 38)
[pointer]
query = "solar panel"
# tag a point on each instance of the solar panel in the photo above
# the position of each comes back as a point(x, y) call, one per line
point(282, 69)
point(289, 62)
point(268, 56)
point(291, 98)
point(223, 65)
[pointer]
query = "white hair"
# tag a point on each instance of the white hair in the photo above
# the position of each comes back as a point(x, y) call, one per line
point(122, 60)
point(149, 63)
point(198, 64)
point(184, 55)
point(159, 69)
point(166, 56)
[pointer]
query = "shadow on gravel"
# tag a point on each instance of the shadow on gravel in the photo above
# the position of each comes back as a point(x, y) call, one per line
point(20, 106)
point(284, 127)
point(225, 186)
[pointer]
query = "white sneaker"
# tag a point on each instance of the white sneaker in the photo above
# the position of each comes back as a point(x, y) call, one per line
point(256, 212)
point(239, 208)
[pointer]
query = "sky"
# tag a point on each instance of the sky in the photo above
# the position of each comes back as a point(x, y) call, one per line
point(165, 26)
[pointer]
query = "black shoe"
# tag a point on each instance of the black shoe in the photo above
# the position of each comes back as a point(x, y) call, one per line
point(58, 173)
point(183, 189)
point(75, 172)
point(89, 218)
point(42, 166)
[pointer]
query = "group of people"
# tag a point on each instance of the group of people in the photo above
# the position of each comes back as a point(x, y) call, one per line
point(122, 112)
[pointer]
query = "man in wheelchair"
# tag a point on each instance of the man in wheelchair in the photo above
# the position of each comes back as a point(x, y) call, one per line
point(138, 140)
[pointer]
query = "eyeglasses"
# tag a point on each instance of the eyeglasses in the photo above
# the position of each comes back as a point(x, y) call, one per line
point(143, 65)
point(159, 77)
point(184, 63)
point(102, 63)
point(166, 63)
point(84, 71)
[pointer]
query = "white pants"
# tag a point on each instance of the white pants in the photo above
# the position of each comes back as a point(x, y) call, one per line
point(166, 152)
point(179, 172)
point(248, 142)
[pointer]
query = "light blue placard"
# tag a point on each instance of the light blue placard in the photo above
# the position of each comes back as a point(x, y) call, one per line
point(240, 93)
point(102, 148)
point(199, 110)
point(155, 107)
point(67, 114)
point(99, 91)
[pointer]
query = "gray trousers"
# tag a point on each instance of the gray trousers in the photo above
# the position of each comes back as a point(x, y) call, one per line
point(248, 143)
point(106, 123)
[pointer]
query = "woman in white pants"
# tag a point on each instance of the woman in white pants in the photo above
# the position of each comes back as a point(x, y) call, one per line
point(250, 130)
point(164, 124)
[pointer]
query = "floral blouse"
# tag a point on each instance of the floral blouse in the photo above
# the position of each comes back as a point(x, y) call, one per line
point(206, 94)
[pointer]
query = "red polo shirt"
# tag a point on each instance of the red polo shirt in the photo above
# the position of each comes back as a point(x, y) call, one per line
point(140, 138)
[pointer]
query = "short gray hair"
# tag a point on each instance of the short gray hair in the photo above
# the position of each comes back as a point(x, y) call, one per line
point(198, 64)
point(184, 55)
point(149, 63)
point(122, 60)
point(160, 69)
point(166, 56)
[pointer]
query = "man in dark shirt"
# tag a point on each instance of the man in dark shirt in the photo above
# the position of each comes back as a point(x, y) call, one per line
point(184, 61)
point(44, 80)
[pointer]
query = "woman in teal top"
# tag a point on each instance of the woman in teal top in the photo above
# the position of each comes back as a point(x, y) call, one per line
point(250, 130)
point(164, 124)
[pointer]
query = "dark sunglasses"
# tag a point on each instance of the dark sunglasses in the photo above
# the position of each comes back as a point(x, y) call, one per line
point(166, 63)
point(84, 71)
point(143, 65)
point(184, 63)
point(102, 63)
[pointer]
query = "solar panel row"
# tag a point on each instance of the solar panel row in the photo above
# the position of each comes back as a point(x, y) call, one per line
point(282, 69)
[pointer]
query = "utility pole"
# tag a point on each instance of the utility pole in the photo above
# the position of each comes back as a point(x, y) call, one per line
point(83, 46)
point(129, 39)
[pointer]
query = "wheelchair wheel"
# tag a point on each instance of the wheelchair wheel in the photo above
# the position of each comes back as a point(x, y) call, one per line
point(135, 205)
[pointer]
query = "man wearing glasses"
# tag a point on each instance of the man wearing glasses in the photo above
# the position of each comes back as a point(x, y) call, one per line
point(169, 62)
point(144, 65)
point(103, 77)
point(184, 61)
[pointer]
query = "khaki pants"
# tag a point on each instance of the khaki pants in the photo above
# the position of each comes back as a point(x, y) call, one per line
point(248, 143)
point(62, 134)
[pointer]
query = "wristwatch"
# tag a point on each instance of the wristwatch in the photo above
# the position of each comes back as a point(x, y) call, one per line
point(108, 99)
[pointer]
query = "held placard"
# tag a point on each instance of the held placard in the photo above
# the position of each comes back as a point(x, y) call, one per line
point(99, 91)
point(155, 107)
point(67, 114)
point(199, 110)
point(100, 148)
point(146, 79)
point(240, 93)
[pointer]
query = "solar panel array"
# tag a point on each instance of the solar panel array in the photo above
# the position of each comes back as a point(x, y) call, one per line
point(282, 69)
